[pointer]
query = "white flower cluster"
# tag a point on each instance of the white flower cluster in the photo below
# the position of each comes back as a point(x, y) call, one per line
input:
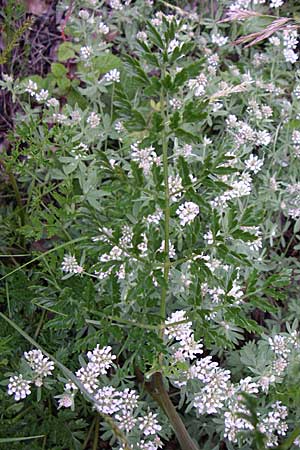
point(85, 53)
point(254, 164)
point(40, 96)
point(185, 346)
point(175, 187)
point(243, 133)
point(112, 76)
point(100, 360)
point(40, 364)
point(41, 367)
point(198, 85)
point(219, 39)
point(239, 188)
point(213, 395)
point(154, 218)
point(290, 42)
point(120, 404)
point(70, 265)
point(145, 157)
point(259, 112)
point(18, 387)
point(102, 28)
point(273, 424)
point(93, 120)
point(187, 212)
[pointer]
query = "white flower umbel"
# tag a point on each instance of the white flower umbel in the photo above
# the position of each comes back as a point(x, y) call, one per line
point(112, 76)
point(254, 164)
point(175, 187)
point(93, 120)
point(88, 376)
point(85, 53)
point(274, 424)
point(279, 345)
point(149, 425)
point(40, 364)
point(102, 358)
point(187, 212)
point(179, 331)
point(198, 85)
point(276, 3)
point(290, 42)
point(144, 157)
point(218, 39)
point(70, 265)
point(18, 387)
point(107, 400)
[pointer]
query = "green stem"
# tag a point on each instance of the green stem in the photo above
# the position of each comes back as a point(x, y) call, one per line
point(14, 184)
point(87, 439)
point(164, 139)
point(158, 392)
point(96, 433)
point(184, 439)
point(37, 331)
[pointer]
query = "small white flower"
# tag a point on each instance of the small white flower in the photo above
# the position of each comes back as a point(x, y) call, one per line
point(254, 164)
point(86, 52)
point(65, 401)
point(102, 358)
point(7, 78)
point(40, 364)
point(112, 76)
point(18, 387)
point(31, 87)
point(52, 102)
point(187, 212)
point(218, 39)
point(149, 425)
point(70, 265)
point(276, 3)
point(84, 14)
point(93, 120)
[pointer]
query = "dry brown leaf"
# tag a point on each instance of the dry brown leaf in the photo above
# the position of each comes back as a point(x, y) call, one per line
point(254, 38)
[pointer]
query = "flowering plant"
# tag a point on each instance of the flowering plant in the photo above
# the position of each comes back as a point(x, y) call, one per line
point(160, 179)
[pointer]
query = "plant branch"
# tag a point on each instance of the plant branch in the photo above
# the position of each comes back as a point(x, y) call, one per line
point(155, 387)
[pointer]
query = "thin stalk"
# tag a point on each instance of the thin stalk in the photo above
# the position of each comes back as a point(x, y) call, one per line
point(40, 324)
point(96, 433)
point(164, 139)
point(14, 184)
point(87, 439)
point(8, 300)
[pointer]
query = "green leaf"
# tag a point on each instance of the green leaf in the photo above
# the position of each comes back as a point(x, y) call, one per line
point(18, 439)
point(194, 112)
point(188, 72)
point(65, 51)
point(58, 70)
point(107, 62)
point(262, 304)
